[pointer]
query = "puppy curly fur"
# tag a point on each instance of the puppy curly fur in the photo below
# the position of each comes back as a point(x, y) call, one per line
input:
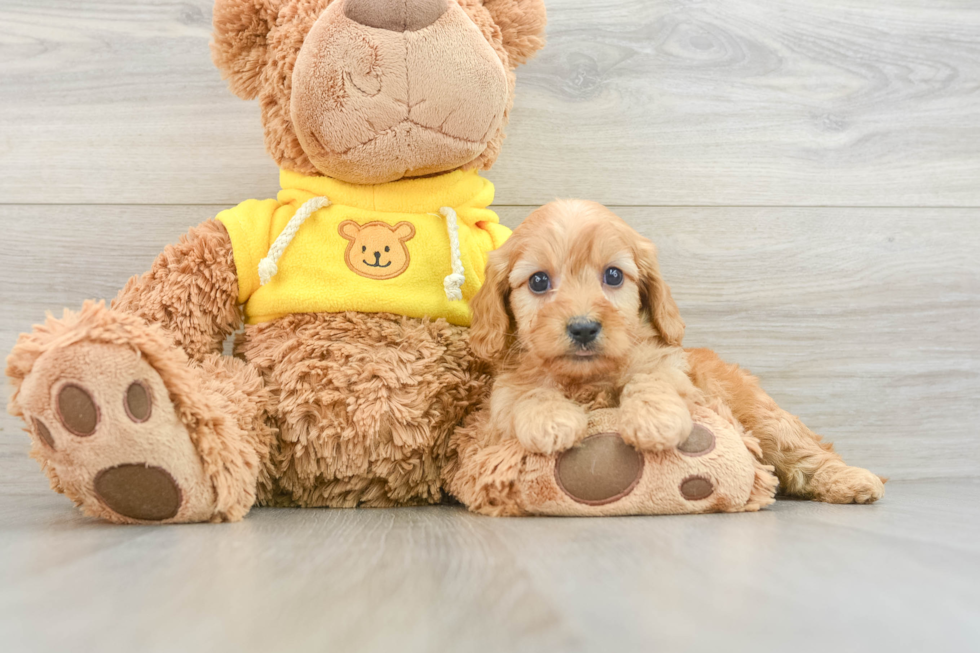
point(546, 381)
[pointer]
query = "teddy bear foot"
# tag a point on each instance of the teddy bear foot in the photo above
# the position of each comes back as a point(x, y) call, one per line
point(603, 468)
point(715, 469)
point(130, 429)
point(712, 470)
point(111, 436)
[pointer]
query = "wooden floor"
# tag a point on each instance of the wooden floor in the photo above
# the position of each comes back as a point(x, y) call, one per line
point(897, 576)
point(811, 174)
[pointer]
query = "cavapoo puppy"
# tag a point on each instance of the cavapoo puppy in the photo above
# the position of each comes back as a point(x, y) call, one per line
point(574, 316)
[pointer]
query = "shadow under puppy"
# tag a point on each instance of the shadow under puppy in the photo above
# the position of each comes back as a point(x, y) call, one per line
point(575, 317)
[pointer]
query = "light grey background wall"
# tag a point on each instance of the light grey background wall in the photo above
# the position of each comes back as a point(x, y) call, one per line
point(809, 170)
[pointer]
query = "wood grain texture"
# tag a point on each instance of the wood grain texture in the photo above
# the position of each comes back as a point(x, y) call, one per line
point(633, 102)
point(861, 321)
point(896, 576)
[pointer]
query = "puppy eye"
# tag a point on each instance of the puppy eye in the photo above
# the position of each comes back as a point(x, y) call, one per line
point(612, 277)
point(363, 248)
point(387, 249)
point(539, 282)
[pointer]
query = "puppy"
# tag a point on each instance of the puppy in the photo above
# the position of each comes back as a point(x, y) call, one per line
point(574, 315)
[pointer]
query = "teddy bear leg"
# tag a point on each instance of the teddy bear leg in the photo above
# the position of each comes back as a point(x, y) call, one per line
point(131, 430)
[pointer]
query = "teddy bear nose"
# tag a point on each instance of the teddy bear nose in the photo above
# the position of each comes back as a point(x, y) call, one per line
point(396, 15)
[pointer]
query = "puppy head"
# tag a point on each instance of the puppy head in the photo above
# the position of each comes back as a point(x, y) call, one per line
point(573, 289)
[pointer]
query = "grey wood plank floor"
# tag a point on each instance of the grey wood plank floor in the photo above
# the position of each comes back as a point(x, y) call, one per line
point(897, 576)
point(809, 172)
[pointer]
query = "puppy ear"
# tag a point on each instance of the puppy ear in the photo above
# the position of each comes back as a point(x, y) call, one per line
point(657, 300)
point(521, 23)
point(238, 45)
point(490, 328)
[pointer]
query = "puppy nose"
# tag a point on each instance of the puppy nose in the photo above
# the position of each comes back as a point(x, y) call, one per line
point(396, 15)
point(583, 330)
point(377, 256)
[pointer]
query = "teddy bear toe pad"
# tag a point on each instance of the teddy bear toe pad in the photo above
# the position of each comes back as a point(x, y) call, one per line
point(701, 441)
point(76, 410)
point(103, 421)
point(695, 488)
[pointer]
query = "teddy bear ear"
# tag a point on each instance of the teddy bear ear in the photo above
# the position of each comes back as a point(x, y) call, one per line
point(404, 231)
point(521, 23)
point(238, 45)
point(349, 229)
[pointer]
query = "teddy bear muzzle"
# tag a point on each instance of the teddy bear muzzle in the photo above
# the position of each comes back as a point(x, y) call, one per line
point(383, 90)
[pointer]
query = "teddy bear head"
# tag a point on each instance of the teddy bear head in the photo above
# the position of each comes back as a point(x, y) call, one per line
point(370, 91)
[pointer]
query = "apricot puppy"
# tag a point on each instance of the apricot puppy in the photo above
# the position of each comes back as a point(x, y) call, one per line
point(593, 319)
point(575, 316)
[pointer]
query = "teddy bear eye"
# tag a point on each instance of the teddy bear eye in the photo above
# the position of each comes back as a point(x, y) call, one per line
point(613, 277)
point(363, 248)
point(387, 249)
point(539, 282)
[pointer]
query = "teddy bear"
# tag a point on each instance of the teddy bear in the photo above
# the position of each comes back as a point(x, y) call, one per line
point(348, 291)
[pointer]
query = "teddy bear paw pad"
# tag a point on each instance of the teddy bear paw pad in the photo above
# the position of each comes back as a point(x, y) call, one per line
point(139, 492)
point(103, 420)
point(600, 470)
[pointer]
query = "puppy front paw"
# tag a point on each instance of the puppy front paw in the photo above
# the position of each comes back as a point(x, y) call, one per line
point(551, 427)
point(655, 424)
point(845, 484)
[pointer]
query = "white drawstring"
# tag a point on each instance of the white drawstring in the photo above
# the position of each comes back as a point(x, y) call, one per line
point(267, 266)
point(454, 282)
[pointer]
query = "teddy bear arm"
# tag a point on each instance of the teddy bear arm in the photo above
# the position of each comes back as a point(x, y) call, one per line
point(191, 290)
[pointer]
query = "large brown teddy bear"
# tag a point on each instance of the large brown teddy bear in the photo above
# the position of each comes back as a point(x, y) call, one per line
point(354, 365)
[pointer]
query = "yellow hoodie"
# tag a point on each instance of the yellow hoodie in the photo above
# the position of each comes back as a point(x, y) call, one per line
point(380, 248)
